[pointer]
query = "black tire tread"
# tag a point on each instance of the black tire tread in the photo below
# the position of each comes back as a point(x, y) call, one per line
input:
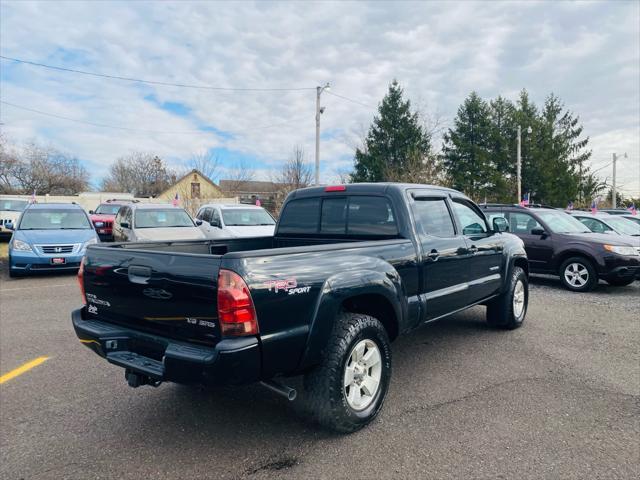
point(500, 310)
point(321, 397)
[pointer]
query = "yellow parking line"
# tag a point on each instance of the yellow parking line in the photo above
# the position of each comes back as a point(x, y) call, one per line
point(22, 369)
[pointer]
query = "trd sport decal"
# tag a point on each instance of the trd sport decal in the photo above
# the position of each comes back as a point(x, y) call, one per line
point(289, 285)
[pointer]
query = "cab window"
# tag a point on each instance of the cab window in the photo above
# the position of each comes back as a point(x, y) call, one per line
point(522, 223)
point(471, 221)
point(433, 217)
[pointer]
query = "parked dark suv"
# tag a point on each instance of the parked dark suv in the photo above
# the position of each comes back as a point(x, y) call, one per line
point(558, 244)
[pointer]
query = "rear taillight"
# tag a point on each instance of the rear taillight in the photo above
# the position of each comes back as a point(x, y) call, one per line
point(236, 313)
point(335, 188)
point(81, 281)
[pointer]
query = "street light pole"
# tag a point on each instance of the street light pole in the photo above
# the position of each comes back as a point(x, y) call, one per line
point(613, 187)
point(519, 161)
point(519, 164)
point(319, 111)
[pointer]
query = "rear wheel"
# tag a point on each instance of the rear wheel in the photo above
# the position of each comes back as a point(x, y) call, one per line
point(509, 309)
point(578, 274)
point(347, 390)
point(620, 282)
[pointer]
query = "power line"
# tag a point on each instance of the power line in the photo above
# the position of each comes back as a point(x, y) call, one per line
point(154, 82)
point(116, 127)
point(349, 99)
point(598, 169)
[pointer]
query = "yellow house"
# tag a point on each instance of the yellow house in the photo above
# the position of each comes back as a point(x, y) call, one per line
point(193, 190)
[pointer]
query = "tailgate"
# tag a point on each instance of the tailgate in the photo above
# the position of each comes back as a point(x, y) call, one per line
point(164, 293)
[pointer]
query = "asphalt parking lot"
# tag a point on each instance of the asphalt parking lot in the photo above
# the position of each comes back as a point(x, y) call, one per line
point(558, 398)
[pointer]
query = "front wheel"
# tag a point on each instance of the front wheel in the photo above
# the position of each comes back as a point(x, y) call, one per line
point(578, 274)
point(347, 390)
point(509, 309)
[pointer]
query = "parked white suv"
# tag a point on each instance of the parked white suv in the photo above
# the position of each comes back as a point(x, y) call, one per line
point(10, 210)
point(235, 221)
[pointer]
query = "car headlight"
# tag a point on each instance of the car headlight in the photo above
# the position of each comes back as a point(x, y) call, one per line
point(99, 224)
point(621, 250)
point(21, 246)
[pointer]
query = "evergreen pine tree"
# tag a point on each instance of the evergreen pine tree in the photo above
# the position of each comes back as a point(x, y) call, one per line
point(394, 138)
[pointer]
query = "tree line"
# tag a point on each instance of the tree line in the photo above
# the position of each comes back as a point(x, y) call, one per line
point(478, 152)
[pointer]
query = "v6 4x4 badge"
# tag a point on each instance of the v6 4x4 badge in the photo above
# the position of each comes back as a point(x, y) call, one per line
point(289, 285)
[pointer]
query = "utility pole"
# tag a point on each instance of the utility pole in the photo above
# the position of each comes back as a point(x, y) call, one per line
point(519, 161)
point(519, 165)
point(319, 111)
point(613, 188)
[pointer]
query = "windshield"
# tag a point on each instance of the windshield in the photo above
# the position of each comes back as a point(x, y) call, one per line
point(246, 217)
point(54, 219)
point(622, 225)
point(560, 222)
point(163, 218)
point(107, 209)
point(12, 205)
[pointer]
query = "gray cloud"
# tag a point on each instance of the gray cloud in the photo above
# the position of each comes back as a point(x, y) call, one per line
point(587, 53)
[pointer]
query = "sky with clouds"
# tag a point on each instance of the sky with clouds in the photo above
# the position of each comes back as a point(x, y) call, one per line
point(586, 53)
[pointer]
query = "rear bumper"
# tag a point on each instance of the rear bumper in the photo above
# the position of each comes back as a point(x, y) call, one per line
point(230, 362)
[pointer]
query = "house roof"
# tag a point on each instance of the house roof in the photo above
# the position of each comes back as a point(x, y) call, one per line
point(249, 186)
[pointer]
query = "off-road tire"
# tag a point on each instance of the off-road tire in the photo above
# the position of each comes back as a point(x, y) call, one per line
point(501, 311)
point(592, 279)
point(324, 395)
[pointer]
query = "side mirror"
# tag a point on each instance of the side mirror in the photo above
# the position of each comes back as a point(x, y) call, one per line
point(215, 223)
point(538, 231)
point(8, 225)
point(91, 212)
point(124, 224)
point(500, 224)
point(198, 222)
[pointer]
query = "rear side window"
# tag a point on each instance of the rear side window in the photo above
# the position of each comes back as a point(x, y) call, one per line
point(300, 216)
point(363, 216)
point(370, 216)
point(334, 216)
point(432, 215)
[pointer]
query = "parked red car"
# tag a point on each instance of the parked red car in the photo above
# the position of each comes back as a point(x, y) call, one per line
point(103, 217)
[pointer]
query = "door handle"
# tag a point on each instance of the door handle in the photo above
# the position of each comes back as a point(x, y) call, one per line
point(433, 255)
point(473, 249)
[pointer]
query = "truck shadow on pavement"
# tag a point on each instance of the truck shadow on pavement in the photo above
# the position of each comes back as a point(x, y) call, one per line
point(175, 416)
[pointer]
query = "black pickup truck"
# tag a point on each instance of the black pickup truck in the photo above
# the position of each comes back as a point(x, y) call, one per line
point(349, 269)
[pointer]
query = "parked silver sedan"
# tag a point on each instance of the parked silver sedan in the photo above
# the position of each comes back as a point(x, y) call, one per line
point(148, 221)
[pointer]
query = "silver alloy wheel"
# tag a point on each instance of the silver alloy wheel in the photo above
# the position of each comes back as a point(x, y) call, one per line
point(362, 374)
point(576, 274)
point(518, 299)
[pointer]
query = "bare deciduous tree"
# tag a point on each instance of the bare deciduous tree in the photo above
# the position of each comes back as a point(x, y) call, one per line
point(205, 162)
point(40, 169)
point(417, 169)
point(142, 174)
point(238, 175)
point(295, 173)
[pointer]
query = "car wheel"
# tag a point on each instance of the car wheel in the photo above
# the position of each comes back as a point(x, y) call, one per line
point(620, 282)
point(578, 274)
point(509, 309)
point(347, 390)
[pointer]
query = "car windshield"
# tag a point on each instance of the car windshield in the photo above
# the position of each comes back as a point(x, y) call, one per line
point(560, 222)
point(107, 209)
point(8, 205)
point(162, 218)
point(635, 220)
point(54, 219)
point(622, 225)
point(246, 217)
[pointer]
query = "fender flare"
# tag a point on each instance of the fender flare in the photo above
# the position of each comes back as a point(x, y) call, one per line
point(341, 287)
